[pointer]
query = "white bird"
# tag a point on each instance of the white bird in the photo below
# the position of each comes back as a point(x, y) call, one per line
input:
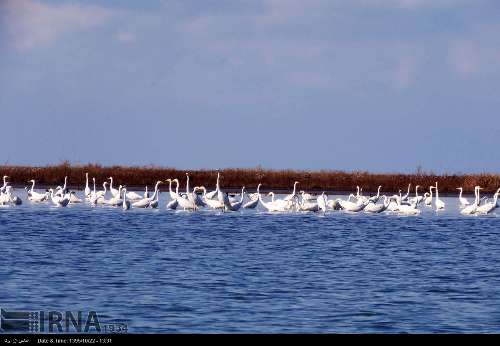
point(2, 189)
point(363, 198)
point(233, 198)
point(293, 194)
point(322, 202)
point(490, 206)
point(60, 201)
point(187, 204)
point(188, 193)
point(398, 199)
point(146, 193)
point(439, 203)
point(237, 205)
point(134, 196)
point(374, 199)
point(9, 198)
point(173, 204)
point(34, 196)
point(173, 195)
point(114, 192)
point(125, 203)
point(252, 204)
point(212, 203)
point(145, 202)
point(405, 197)
point(417, 198)
point(428, 200)
point(358, 192)
point(200, 201)
point(93, 196)
point(333, 204)
point(352, 196)
point(471, 209)
point(410, 209)
point(394, 202)
point(102, 194)
point(425, 197)
point(65, 186)
point(222, 197)
point(212, 194)
point(351, 206)
point(359, 195)
point(73, 198)
point(463, 201)
point(193, 196)
point(287, 204)
point(87, 188)
point(253, 196)
point(306, 196)
point(117, 200)
point(61, 191)
point(307, 206)
point(142, 203)
point(354, 207)
point(374, 208)
point(272, 206)
point(177, 186)
point(254, 199)
point(16, 200)
point(155, 201)
point(4, 198)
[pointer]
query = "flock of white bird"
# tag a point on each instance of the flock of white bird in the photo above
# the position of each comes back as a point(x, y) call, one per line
point(198, 197)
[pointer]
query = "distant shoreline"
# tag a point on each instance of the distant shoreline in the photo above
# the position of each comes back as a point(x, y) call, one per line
point(232, 179)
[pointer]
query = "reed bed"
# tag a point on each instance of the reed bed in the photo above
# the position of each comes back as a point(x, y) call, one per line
point(234, 178)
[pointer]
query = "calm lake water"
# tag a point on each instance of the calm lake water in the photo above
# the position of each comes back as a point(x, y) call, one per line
point(252, 271)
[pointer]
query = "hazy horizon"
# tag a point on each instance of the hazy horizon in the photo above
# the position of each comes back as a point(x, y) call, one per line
point(382, 86)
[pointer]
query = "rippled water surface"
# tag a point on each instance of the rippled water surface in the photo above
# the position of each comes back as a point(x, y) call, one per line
point(252, 271)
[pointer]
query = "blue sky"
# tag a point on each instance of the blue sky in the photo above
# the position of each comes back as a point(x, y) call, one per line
point(380, 85)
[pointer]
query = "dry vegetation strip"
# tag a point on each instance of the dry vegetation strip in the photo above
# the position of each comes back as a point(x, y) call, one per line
point(235, 178)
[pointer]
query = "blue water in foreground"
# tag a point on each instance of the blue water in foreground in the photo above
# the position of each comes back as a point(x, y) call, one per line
point(173, 271)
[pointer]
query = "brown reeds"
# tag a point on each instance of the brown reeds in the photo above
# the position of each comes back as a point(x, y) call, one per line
point(234, 178)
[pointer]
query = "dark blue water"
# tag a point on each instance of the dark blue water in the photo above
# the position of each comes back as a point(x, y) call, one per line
point(163, 271)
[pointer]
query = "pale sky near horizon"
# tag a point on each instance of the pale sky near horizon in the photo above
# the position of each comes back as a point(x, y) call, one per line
point(379, 85)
